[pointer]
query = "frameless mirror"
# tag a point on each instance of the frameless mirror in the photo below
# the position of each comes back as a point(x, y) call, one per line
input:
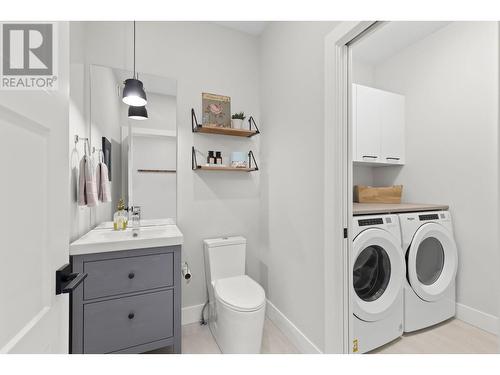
point(141, 155)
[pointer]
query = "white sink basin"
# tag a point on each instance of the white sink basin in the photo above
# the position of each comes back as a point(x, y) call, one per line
point(105, 240)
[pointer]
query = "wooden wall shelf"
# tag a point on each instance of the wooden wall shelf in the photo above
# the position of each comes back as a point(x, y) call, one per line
point(199, 128)
point(225, 131)
point(252, 164)
point(229, 169)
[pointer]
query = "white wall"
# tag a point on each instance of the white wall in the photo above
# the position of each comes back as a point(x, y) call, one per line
point(78, 124)
point(289, 262)
point(363, 175)
point(450, 80)
point(202, 57)
point(362, 72)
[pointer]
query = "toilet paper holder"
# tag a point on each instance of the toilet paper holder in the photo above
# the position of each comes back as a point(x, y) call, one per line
point(186, 272)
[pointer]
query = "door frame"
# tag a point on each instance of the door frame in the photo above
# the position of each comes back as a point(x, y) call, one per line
point(338, 183)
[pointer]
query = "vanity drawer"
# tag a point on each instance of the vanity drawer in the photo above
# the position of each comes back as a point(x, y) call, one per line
point(125, 275)
point(122, 323)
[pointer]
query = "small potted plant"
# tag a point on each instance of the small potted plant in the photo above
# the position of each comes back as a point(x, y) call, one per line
point(237, 120)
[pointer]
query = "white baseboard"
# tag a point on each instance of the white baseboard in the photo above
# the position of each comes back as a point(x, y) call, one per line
point(191, 314)
point(478, 318)
point(303, 344)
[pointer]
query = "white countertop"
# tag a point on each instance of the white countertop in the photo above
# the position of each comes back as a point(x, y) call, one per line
point(391, 208)
point(144, 223)
point(104, 239)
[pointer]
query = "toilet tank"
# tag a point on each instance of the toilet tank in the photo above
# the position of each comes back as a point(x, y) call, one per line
point(224, 257)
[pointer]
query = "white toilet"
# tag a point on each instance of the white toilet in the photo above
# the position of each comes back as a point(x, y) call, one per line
point(237, 304)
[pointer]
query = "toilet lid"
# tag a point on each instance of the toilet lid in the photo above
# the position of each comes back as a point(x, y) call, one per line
point(240, 293)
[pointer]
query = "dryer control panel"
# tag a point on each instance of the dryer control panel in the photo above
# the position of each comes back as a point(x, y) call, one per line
point(433, 216)
point(372, 221)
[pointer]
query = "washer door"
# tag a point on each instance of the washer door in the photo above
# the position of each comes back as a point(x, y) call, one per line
point(432, 261)
point(378, 269)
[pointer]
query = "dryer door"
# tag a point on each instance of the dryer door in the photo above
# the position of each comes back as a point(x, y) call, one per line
point(378, 272)
point(432, 261)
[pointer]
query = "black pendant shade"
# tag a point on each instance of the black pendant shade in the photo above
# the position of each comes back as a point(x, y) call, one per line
point(133, 93)
point(137, 113)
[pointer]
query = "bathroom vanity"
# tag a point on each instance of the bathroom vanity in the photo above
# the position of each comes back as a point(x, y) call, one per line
point(130, 301)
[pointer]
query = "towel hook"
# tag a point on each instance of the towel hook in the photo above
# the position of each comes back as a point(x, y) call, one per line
point(101, 153)
point(86, 140)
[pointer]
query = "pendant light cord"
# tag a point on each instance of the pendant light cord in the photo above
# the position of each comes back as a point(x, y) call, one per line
point(134, 51)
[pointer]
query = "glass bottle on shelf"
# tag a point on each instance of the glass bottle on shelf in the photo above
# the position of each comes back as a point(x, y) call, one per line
point(120, 218)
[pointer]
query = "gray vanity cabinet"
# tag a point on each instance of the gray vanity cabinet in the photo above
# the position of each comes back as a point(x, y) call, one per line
point(130, 301)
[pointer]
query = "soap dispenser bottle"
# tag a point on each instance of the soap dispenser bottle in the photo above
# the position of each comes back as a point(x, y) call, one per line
point(120, 218)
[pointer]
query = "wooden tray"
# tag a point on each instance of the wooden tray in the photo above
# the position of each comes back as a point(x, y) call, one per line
point(370, 194)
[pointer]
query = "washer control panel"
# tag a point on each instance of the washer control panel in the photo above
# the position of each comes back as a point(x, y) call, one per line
point(371, 221)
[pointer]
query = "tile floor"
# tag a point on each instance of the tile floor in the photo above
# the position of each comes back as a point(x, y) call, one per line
point(452, 336)
point(197, 339)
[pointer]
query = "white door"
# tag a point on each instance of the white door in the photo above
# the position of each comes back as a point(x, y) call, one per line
point(34, 220)
point(366, 120)
point(432, 261)
point(392, 119)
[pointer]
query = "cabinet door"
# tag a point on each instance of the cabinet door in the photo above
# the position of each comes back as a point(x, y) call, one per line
point(366, 119)
point(392, 120)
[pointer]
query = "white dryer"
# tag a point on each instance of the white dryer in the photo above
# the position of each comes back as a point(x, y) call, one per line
point(378, 271)
point(431, 266)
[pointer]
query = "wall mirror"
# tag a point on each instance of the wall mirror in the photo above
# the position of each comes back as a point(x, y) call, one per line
point(142, 154)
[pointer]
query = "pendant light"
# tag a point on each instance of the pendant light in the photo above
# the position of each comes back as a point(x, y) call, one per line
point(137, 113)
point(133, 92)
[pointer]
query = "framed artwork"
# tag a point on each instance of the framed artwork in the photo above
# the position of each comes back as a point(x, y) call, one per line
point(216, 110)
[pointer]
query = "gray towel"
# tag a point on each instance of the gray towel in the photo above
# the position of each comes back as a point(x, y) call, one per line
point(87, 195)
point(82, 200)
point(103, 187)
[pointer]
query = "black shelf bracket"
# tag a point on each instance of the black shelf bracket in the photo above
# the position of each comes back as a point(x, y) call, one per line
point(194, 121)
point(194, 162)
point(250, 158)
point(252, 121)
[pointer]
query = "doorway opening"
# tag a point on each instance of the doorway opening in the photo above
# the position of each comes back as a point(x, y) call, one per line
point(404, 72)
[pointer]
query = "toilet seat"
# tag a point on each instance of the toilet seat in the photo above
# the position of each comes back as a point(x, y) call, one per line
point(240, 293)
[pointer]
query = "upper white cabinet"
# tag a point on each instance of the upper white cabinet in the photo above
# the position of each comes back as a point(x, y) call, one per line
point(378, 126)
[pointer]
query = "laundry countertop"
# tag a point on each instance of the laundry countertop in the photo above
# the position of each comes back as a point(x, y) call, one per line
point(392, 208)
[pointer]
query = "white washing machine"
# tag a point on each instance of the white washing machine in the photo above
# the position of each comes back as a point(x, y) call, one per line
point(431, 266)
point(378, 271)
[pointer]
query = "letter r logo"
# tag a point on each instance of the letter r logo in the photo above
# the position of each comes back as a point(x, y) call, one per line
point(27, 49)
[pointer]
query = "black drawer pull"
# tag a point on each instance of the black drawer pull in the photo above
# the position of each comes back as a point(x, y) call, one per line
point(131, 315)
point(131, 275)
